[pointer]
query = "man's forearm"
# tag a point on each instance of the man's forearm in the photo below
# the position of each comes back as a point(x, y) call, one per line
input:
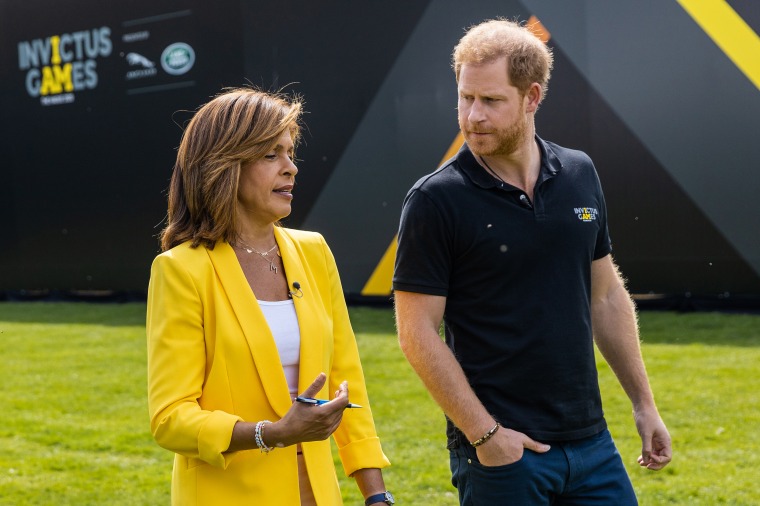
point(443, 376)
point(616, 334)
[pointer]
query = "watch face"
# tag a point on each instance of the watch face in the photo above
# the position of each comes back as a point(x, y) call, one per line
point(389, 498)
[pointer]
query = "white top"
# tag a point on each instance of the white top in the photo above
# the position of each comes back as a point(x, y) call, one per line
point(283, 322)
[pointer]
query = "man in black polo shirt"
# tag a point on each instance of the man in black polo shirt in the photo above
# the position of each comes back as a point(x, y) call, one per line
point(507, 244)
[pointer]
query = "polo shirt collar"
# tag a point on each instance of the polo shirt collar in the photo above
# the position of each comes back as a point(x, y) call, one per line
point(550, 166)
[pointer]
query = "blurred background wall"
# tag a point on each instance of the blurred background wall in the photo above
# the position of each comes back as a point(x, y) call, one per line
point(663, 95)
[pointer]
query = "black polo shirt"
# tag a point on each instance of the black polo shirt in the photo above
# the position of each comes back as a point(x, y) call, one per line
point(516, 275)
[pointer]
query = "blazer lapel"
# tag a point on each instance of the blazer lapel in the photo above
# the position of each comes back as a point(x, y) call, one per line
point(254, 325)
point(309, 307)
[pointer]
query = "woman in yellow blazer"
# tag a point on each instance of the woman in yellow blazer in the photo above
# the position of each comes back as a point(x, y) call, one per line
point(243, 315)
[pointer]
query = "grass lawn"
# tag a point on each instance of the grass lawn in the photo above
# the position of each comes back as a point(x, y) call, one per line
point(74, 422)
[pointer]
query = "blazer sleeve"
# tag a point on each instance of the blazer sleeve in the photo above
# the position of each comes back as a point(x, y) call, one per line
point(176, 367)
point(356, 438)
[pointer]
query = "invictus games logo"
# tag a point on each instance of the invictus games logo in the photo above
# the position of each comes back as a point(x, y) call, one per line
point(586, 213)
point(58, 65)
point(177, 58)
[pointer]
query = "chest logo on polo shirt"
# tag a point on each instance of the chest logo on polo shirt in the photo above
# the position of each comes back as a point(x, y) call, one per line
point(586, 213)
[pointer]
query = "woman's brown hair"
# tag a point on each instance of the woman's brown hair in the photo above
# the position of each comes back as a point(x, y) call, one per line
point(237, 127)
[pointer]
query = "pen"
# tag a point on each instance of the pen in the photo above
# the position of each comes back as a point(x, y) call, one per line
point(319, 402)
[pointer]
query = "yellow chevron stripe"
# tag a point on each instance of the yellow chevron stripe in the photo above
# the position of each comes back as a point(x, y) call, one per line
point(456, 145)
point(381, 281)
point(730, 32)
point(538, 29)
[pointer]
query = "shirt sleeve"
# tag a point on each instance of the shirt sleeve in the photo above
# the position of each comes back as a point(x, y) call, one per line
point(603, 242)
point(424, 255)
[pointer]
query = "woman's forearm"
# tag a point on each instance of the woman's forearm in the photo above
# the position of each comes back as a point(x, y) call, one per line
point(370, 481)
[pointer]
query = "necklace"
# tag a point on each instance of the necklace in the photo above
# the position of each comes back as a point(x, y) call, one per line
point(491, 170)
point(524, 200)
point(264, 255)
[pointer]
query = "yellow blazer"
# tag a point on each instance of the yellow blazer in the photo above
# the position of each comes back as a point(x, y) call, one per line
point(212, 361)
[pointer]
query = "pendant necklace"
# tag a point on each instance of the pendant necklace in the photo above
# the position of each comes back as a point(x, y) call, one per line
point(264, 255)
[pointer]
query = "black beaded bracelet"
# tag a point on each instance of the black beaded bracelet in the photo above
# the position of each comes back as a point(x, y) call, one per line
point(486, 436)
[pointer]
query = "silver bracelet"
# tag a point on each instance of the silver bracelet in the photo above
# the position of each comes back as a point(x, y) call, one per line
point(259, 438)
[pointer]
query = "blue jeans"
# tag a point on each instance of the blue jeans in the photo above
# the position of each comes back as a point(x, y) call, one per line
point(586, 472)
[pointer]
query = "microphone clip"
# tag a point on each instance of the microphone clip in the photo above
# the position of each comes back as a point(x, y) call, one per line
point(297, 292)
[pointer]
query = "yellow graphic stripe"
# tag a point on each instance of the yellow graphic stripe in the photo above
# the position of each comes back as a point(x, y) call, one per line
point(456, 145)
point(381, 281)
point(730, 32)
point(538, 29)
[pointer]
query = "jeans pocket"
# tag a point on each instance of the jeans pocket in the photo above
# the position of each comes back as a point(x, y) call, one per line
point(504, 467)
point(496, 485)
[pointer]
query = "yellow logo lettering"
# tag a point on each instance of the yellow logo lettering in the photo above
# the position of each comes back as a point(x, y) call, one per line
point(55, 52)
point(56, 79)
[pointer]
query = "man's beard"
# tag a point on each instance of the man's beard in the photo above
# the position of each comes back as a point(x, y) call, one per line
point(504, 142)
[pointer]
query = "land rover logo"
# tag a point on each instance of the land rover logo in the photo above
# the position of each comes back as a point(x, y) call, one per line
point(177, 58)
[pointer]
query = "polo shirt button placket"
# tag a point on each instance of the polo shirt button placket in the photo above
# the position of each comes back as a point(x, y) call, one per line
point(525, 201)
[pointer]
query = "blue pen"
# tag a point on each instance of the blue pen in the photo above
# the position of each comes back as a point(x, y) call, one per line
point(319, 402)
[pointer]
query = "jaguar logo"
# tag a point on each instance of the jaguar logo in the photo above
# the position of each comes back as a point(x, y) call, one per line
point(135, 59)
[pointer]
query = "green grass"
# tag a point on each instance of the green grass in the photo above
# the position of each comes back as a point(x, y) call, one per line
point(74, 422)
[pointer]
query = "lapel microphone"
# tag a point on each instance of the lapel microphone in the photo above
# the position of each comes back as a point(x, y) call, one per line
point(298, 293)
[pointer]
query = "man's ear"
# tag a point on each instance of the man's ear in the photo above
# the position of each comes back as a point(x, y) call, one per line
point(533, 97)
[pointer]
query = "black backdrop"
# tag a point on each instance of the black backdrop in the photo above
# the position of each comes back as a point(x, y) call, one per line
point(82, 192)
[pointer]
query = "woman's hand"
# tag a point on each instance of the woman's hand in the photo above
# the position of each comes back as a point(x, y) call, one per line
point(308, 422)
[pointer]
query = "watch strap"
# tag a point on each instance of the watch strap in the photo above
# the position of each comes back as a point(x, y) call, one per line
point(382, 497)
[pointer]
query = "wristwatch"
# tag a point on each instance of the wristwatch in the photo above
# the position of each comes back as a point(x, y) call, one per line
point(385, 497)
